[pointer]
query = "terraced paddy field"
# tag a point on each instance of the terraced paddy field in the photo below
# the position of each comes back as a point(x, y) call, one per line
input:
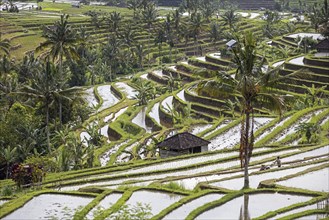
point(129, 174)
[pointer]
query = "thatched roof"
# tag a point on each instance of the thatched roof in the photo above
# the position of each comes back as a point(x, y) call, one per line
point(183, 141)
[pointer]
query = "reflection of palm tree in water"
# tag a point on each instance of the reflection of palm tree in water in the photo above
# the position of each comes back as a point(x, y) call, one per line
point(244, 210)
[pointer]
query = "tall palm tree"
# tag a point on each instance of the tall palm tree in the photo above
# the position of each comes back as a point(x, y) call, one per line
point(149, 16)
point(184, 33)
point(159, 39)
point(63, 93)
point(49, 88)
point(139, 51)
point(60, 41)
point(196, 26)
point(128, 36)
point(42, 89)
point(254, 87)
point(215, 32)
point(114, 20)
point(169, 36)
point(208, 8)
point(230, 18)
point(176, 17)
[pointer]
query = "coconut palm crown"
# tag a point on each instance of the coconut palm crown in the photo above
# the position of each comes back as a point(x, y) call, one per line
point(60, 41)
point(254, 88)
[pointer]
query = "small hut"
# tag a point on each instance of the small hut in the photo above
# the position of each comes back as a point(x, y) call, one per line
point(182, 143)
point(231, 44)
point(323, 46)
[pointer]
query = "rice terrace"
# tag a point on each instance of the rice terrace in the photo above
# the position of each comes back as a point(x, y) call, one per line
point(167, 109)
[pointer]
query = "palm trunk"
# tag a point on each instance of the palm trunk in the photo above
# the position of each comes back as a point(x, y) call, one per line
point(148, 46)
point(47, 127)
point(246, 147)
point(60, 103)
point(60, 113)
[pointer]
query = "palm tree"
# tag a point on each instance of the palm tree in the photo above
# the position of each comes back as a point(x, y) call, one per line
point(128, 36)
point(134, 5)
point(48, 87)
point(63, 93)
point(60, 41)
point(176, 17)
point(9, 155)
point(139, 51)
point(159, 39)
point(196, 27)
point(4, 45)
point(254, 87)
point(149, 16)
point(208, 8)
point(215, 32)
point(144, 91)
point(184, 33)
point(230, 18)
point(173, 83)
point(42, 89)
point(114, 20)
point(169, 33)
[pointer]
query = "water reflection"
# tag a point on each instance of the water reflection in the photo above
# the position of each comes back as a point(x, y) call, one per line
point(244, 210)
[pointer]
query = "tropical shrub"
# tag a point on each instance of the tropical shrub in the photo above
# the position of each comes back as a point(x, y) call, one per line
point(26, 175)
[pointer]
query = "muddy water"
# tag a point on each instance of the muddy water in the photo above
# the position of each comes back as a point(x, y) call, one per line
point(308, 207)
point(258, 205)
point(181, 95)
point(105, 158)
point(297, 61)
point(313, 35)
point(278, 63)
point(292, 128)
point(140, 120)
point(90, 97)
point(109, 99)
point(54, 206)
point(154, 113)
point(196, 129)
point(203, 59)
point(103, 131)
point(158, 73)
point(237, 184)
point(167, 102)
point(232, 137)
point(84, 137)
point(106, 203)
point(120, 112)
point(311, 153)
point(157, 200)
point(128, 90)
point(184, 210)
point(306, 181)
point(272, 128)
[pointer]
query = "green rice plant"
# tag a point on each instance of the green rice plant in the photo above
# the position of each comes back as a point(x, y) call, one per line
point(174, 186)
